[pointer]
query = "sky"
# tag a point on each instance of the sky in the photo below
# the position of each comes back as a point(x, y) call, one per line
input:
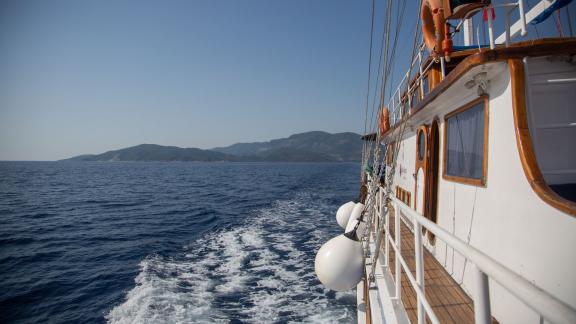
point(82, 77)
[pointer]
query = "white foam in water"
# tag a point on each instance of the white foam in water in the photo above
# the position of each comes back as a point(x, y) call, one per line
point(261, 272)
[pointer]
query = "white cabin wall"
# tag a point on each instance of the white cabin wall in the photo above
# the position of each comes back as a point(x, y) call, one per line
point(505, 219)
point(406, 163)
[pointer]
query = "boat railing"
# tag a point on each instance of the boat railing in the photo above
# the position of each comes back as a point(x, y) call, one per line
point(547, 306)
point(404, 91)
point(396, 101)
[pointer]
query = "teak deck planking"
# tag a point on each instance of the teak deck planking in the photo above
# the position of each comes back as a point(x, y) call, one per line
point(449, 302)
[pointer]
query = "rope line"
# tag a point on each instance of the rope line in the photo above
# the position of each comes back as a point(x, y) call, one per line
point(364, 148)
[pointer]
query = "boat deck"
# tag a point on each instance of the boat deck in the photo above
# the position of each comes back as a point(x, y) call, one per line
point(449, 302)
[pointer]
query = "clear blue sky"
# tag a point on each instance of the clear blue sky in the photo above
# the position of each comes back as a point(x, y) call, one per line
point(89, 76)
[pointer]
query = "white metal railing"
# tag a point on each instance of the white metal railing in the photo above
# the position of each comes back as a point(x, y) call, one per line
point(396, 107)
point(547, 306)
point(395, 102)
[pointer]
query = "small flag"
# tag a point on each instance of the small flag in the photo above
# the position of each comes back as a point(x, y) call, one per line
point(485, 14)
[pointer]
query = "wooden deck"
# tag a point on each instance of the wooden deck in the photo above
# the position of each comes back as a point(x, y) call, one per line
point(449, 302)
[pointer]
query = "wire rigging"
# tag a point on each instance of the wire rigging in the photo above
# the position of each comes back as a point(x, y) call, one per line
point(369, 78)
point(393, 147)
point(385, 63)
point(385, 44)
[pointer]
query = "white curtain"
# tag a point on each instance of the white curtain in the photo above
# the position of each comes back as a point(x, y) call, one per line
point(466, 143)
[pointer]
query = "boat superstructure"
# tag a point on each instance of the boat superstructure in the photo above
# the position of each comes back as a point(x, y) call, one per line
point(469, 184)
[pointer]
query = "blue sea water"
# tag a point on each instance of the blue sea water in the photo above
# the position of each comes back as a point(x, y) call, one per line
point(90, 242)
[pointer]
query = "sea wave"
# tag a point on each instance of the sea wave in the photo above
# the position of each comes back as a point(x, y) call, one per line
point(169, 242)
point(261, 271)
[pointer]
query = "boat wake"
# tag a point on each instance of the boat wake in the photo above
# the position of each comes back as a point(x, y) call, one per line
point(261, 271)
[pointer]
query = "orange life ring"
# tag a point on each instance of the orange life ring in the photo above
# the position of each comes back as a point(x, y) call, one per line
point(384, 122)
point(433, 22)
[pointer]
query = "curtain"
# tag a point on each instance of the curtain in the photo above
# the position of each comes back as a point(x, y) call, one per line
point(466, 143)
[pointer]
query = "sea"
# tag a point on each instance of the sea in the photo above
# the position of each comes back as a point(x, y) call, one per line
point(170, 242)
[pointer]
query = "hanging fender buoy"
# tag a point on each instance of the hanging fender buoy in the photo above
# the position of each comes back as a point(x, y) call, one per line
point(432, 15)
point(339, 264)
point(354, 219)
point(384, 122)
point(343, 214)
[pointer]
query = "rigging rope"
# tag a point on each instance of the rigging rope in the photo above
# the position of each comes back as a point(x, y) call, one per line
point(385, 43)
point(394, 147)
point(387, 55)
point(364, 149)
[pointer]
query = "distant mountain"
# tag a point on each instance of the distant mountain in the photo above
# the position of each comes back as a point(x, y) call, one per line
point(306, 147)
point(319, 146)
point(153, 152)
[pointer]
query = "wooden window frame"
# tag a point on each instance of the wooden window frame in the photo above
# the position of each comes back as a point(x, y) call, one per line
point(470, 181)
point(422, 131)
point(524, 143)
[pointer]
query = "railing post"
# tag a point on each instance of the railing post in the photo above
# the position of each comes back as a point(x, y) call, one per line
point(482, 314)
point(507, 24)
point(378, 206)
point(421, 84)
point(491, 29)
point(419, 267)
point(387, 241)
point(522, 14)
point(468, 34)
point(382, 207)
point(398, 251)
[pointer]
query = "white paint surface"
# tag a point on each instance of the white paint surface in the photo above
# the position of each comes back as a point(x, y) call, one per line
point(505, 219)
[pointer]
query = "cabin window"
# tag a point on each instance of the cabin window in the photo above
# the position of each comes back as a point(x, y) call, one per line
point(465, 146)
point(424, 86)
point(405, 108)
point(547, 150)
point(421, 146)
point(414, 97)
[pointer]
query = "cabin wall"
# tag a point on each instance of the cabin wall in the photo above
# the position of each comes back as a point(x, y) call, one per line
point(404, 176)
point(505, 219)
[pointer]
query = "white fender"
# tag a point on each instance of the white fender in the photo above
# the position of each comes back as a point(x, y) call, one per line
point(356, 213)
point(339, 264)
point(343, 214)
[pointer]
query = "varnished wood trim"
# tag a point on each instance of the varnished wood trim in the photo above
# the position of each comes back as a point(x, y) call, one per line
point(435, 77)
point(524, 142)
point(421, 164)
point(404, 195)
point(433, 151)
point(390, 153)
point(471, 181)
point(539, 47)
